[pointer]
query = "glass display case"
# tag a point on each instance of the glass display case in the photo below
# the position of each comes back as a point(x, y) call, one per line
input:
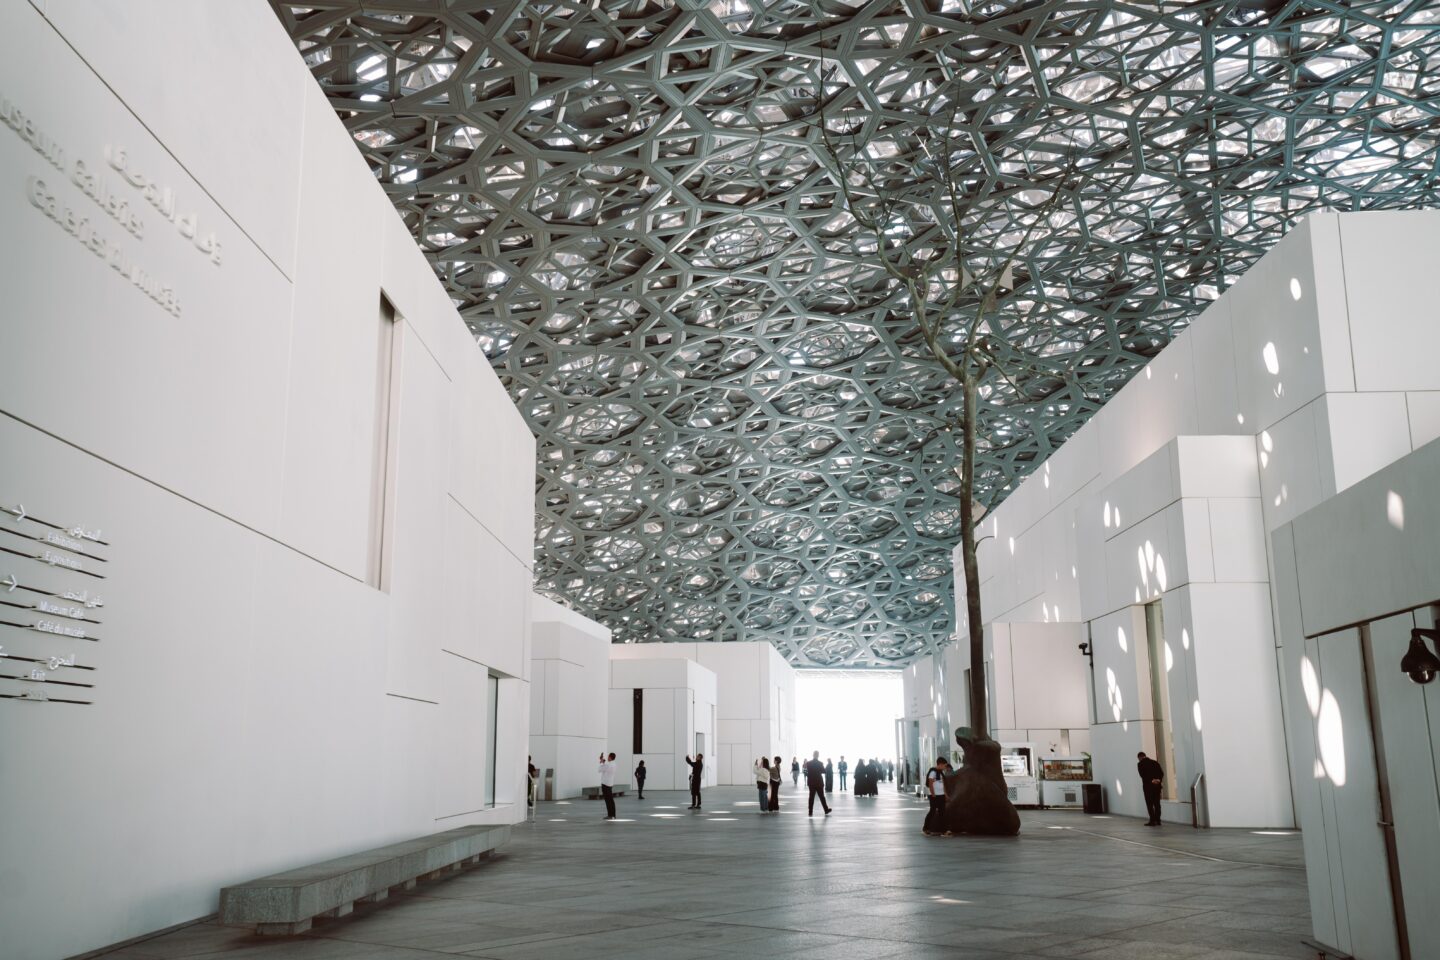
point(1063, 780)
point(1065, 768)
point(1017, 764)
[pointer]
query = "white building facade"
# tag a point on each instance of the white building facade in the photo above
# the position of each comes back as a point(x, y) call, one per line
point(1150, 530)
point(755, 700)
point(246, 432)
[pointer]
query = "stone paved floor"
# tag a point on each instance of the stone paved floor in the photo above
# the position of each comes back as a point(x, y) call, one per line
point(670, 884)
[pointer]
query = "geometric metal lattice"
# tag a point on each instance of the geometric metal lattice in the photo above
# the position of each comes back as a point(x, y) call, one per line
point(741, 434)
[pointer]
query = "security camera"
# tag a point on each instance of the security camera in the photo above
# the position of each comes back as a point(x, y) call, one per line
point(1085, 648)
point(1419, 663)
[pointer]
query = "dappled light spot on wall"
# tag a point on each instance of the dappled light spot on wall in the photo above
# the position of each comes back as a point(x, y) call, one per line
point(1119, 789)
point(1117, 516)
point(1047, 475)
point(1148, 373)
point(1330, 732)
point(1149, 554)
point(1107, 513)
point(1112, 693)
point(1310, 683)
point(1295, 290)
point(1271, 358)
point(1195, 710)
point(1169, 657)
point(1185, 637)
point(1319, 770)
point(1012, 546)
point(1160, 573)
point(1121, 639)
point(1240, 419)
point(1395, 509)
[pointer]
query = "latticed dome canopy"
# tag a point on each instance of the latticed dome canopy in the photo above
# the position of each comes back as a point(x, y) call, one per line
point(742, 435)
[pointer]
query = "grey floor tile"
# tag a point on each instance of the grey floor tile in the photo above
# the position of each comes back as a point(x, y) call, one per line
point(863, 884)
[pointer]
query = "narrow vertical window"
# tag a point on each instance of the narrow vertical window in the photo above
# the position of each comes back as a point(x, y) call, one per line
point(638, 721)
point(492, 691)
point(1160, 695)
point(382, 467)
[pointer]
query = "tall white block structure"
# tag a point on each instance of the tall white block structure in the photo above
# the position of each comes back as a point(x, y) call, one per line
point(569, 702)
point(286, 501)
point(755, 700)
point(1152, 527)
point(1353, 577)
point(661, 711)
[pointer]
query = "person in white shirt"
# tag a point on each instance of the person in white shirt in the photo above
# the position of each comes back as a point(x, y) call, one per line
point(935, 790)
point(607, 784)
point(761, 769)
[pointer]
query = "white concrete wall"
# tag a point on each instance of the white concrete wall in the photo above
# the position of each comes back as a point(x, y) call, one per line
point(569, 695)
point(258, 704)
point(679, 704)
point(1370, 555)
point(1311, 362)
point(755, 700)
point(1039, 682)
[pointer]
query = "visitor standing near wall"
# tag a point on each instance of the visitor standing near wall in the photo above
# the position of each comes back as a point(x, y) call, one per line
point(795, 771)
point(935, 790)
point(761, 769)
point(829, 776)
point(815, 780)
point(640, 781)
point(844, 768)
point(697, 770)
point(607, 784)
point(1152, 780)
point(775, 786)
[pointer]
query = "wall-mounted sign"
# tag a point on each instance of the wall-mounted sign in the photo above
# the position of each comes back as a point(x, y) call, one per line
point(73, 193)
point(46, 626)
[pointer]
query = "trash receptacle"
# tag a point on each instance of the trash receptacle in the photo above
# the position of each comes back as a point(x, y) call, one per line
point(1094, 798)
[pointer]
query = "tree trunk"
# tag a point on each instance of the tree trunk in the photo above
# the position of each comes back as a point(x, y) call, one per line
point(979, 712)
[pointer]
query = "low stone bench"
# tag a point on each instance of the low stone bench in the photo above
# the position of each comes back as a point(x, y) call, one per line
point(286, 903)
point(594, 793)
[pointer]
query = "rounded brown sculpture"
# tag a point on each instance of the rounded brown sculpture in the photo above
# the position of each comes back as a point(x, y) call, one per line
point(976, 798)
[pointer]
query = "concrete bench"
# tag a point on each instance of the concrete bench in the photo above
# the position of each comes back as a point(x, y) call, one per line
point(286, 903)
point(593, 793)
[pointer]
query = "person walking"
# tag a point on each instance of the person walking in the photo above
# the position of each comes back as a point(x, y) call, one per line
point(761, 769)
point(795, 771)
point(640, 781)
point(829, 776)
point(697, 769)
point(844, 768)
point(1152, 781)
point(815, 781)
point(775, 786)
point(935, 790)
point(607, 784)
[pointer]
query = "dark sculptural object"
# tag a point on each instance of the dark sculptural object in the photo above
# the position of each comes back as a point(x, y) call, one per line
point(976, 799)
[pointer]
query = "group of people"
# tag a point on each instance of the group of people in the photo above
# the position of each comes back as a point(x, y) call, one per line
point(767, 782)
point(820, 780)
point(868, 775)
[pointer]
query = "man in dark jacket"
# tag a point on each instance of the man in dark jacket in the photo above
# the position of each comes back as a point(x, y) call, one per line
point(1152, 779)
point(815, 780)
point(697, 770)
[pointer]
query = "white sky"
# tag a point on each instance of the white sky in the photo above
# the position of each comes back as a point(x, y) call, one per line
point(852, 714)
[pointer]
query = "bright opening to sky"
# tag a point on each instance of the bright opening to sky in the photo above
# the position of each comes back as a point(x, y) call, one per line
point(847, 713)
